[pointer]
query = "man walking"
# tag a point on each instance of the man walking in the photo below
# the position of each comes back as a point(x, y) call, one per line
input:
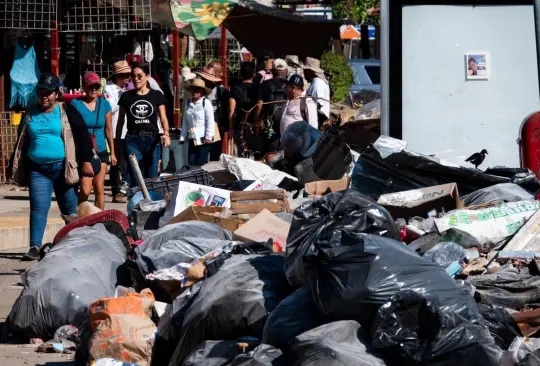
point(318, 88)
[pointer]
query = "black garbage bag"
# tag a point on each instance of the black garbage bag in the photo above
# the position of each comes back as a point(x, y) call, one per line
point(295, 315)
point(233, 303)
point(58, 290)
point(532, 359)
point(510, 287)
point(501, 325)
point(411, 330)
point(352, 275)
point(523, 177)
point(501, 193)
point(176, 243)
point(315, 221)
point(262, 355)
point(213, 353)
point(335, 344)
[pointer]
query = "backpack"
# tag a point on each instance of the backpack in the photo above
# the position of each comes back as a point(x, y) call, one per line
point(246, 100)
point(275, 110)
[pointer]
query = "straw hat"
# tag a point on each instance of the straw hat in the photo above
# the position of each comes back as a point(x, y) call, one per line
point(210, 74)
point(121, 67)
point(187, 74)
point(314, 65)
point(198, 84)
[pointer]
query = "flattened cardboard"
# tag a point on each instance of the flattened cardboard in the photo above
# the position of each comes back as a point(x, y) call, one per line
point(262, 227)
point(418, 202)
point(207, 214)
point(321, 187)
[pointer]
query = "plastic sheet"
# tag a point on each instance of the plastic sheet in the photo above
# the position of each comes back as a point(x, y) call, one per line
point(295, 315)
point(501, 325)
point(504, 192)
point(444, 254)
point(410, 329)
point(262, 355)
point(58, 290)
point(179, 243)
point(313, 222)
point(335, 344)
point(235, 302)
point(213, 353)
point(519, 349)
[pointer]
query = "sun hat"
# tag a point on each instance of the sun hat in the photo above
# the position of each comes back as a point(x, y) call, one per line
point(121, 67)
point(91, 78)
point(314, 65)
point(198, 84)
point(279, 64)
point(210, 74)
point(187, 74)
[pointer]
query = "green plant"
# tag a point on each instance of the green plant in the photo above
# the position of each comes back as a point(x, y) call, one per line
point(355, 10)
point(339, 72)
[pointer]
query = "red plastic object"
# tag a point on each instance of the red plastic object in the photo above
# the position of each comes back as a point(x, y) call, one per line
point(530, 143)
point(104, 216)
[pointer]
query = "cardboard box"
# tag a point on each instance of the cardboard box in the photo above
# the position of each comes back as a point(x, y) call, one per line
point(208, 214)
point(262, 227)
point(418, 202)
point(321, 187)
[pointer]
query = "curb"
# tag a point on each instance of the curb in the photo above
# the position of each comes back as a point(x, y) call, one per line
point(17, 236)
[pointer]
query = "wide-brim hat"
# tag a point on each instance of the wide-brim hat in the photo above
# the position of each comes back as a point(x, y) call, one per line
point(198, 84)
point(209, 73)
point(314, 65)
point(121, 67)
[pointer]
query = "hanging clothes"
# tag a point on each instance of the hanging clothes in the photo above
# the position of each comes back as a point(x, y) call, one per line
point(24, 76)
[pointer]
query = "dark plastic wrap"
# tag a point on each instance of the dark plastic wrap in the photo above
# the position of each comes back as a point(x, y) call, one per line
point(446, 253)
point(176, 243)
point(213, 353)
point(58, 290)
point(501, 325)
point(410, 330)
point(235, 302)
point(335, 344)
point(295, 315)
point(262, 355)
point(504, 192)
point(313, 222)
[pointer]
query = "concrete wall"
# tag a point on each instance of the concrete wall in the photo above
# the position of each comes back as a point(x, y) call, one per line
point(446, 115)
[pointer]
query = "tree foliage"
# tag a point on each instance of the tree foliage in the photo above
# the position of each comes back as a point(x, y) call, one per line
point(355, 10)
point(340, 74)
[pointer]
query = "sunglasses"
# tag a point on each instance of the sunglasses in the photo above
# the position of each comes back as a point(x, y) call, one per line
point(123, 76)
point(94, 87)
point(137, 76)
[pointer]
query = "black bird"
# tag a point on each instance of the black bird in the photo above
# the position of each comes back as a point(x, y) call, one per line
point(477, 158)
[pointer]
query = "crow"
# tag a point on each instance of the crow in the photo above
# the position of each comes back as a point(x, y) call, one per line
point(477, 158)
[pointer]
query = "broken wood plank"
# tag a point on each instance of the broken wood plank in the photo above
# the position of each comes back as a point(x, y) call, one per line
point(255, 208)
point(278, 194)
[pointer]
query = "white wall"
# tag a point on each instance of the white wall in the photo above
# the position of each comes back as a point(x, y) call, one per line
point(446, 115)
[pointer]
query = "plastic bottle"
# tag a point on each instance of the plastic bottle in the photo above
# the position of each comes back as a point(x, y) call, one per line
point(65, 332)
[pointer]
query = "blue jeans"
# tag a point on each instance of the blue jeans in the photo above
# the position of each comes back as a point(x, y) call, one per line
point(147, 149)
point(44, 178)
point(198, 155)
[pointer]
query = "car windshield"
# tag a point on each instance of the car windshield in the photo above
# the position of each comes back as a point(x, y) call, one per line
point(366, 74)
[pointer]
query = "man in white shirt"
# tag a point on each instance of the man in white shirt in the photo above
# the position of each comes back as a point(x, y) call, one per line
point(299, 107)
point(318, 88)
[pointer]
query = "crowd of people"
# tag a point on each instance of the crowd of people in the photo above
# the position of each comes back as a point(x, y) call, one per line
point(68, 147)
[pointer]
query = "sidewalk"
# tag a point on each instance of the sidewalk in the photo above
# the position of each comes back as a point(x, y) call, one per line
point(15, 213)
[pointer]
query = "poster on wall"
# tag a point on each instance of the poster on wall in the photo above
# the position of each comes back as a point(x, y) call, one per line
point(477, 65)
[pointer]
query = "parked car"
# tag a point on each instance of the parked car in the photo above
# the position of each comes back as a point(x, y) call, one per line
point(366, 74)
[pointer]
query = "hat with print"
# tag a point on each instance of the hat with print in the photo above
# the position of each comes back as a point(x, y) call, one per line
point(296, 80)
point(91, 78)
point(49, 82)
point(279, 64)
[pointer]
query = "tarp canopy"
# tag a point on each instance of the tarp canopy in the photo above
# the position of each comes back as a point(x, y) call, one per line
point(255, 26)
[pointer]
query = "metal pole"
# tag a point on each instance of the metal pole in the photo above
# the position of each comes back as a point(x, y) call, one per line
point(138, 174)
point(175, 71)
point(223, 55)
point(537, 31)
point(385, 67)
point(55, 64)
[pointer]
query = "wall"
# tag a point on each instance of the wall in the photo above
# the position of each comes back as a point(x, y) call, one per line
point(446, 115)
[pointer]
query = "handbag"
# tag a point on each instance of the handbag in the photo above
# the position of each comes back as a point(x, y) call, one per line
point(96, 161)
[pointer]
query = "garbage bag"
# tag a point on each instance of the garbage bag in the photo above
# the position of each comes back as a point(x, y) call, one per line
point(503, 192)
point(509, 287)
point(293, 316)
point(352, 275)
point(235, 302)
point(58, 290)
point(532, 359)
point(169, 326)
point(262, 355)
point(213, 353)
point(444, 254)
point(177, 243)
point(519, 350)
point(501, 325)
point(410, 329)
point(313, 222)
point(335, 344)
point(523, 177)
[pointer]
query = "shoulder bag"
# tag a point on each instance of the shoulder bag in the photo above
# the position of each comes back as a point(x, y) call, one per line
point(96, 161)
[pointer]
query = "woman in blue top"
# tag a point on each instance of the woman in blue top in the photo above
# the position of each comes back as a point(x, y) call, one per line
point(96, 113)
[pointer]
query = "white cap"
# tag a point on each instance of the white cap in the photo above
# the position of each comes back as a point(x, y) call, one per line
point(279, 64)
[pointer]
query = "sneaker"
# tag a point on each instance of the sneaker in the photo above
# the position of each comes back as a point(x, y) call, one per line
point(124, 188)
point(119, 198)
point(32, 255)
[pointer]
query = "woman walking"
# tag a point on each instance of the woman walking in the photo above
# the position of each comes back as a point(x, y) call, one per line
point(142, 106)
point(53, 142)
point(198, 123)
point(96, 113)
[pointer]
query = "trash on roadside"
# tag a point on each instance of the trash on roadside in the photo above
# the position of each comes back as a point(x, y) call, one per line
point(122, 329)
point(444, 254)
point(111, 362)
point(499, 193)
point(247, 169)
point(262, 227)
point(86, 208)
point(323, 187)
point(212, 214)
point(528, 236)
point(253, 202)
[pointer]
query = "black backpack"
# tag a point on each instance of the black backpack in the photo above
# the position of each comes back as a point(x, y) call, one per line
point(275, 110)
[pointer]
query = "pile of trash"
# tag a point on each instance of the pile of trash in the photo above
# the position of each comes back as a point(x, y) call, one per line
point(408, 261)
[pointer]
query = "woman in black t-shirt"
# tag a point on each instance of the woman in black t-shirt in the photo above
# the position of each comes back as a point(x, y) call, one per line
point(142, 106)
